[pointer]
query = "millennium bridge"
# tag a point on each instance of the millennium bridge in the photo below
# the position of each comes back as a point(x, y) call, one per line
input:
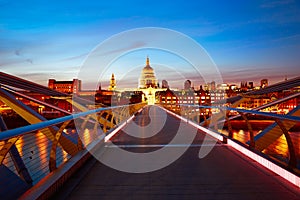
point(176, 155)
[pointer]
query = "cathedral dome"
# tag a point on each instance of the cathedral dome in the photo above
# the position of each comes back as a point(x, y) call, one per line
point(148, 78)
point(148, 68)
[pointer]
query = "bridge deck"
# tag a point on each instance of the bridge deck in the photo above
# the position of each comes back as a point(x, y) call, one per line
point(222, 174)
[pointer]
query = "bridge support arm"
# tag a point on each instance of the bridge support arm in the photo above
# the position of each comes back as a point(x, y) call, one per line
point(52, 160)
point(10, 147)
point(244, 116)
point(293, 160)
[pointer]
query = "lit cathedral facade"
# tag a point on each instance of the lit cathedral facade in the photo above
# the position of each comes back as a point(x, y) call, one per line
point(148, 85)
point(147, 78)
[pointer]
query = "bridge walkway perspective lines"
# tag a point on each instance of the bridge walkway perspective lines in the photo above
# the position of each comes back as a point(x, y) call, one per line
point(223, 174)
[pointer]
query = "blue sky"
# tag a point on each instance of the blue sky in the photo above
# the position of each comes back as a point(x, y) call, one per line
point(248, 40)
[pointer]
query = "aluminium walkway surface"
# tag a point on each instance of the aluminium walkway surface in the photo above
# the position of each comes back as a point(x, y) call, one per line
point(222, 174)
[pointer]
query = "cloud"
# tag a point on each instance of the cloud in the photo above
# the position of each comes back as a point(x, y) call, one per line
point(30, 75)
point(41, 77)
point(15, 58)
point(29, 61)
point(75, 57)
point(7, 62)
point(134, 45)
point(273, 4)
point(17, 52)
point(290, 37)
point(236, 75)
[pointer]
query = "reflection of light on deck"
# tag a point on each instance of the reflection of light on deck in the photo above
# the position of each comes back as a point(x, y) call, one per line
point(86, 137)
point(19, 144)
point(2, 109)
point(43, 151)
point(65, 156)
point(278, 148)
point(5, 161)
point(34, 149)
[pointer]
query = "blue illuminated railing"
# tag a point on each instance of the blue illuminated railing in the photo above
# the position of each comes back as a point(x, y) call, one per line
point(35, 127)
point(283, 143)
point(254, 112)
point(39, 154)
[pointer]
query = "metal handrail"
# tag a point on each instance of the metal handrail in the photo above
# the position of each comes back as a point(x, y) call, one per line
point(282, 123)
point(5, 135)
point(255, 112)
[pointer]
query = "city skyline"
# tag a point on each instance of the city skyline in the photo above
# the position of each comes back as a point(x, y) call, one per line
point(195, 84)
point(248, 41)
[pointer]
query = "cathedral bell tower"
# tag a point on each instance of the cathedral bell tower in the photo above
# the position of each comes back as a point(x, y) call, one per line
point(112, 84)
